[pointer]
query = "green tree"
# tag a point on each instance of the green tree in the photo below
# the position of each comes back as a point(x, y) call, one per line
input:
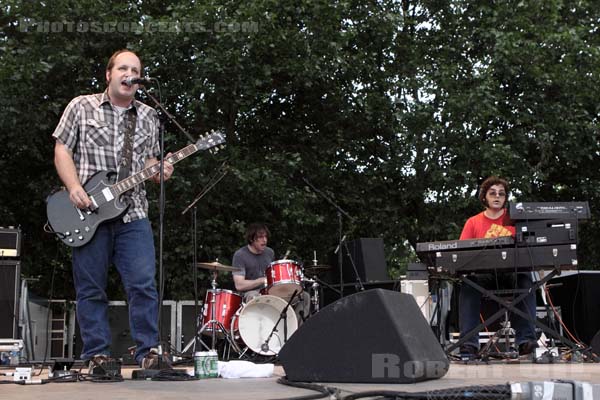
point(395, 110)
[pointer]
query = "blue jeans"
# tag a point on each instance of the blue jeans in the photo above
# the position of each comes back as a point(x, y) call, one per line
point(470, 304)
point(131, 248)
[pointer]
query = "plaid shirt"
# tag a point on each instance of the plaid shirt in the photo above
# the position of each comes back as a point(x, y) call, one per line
point(94, 131)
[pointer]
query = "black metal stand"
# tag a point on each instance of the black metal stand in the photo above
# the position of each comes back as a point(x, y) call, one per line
point(510, 305)
point(213, 324)
point(161, 208)
point(359, 283)
point(216, 178)
point(340, 213)
point(282, 316)
point(504, 332)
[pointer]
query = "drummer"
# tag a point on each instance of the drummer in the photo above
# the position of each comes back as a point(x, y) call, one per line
point(251, 261)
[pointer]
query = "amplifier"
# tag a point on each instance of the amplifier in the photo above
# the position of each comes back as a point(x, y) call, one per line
point(10, 242)
point(10, 288)
point(549, 210)
point(546, 232)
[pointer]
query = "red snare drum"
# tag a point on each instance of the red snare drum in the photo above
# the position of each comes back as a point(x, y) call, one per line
point(226, 303)
point(283, 277)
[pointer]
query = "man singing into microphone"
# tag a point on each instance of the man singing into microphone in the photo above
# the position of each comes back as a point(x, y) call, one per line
point(113, 131)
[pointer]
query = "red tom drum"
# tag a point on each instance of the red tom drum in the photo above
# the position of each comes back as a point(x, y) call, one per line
point(224, 303)
point(283, 278)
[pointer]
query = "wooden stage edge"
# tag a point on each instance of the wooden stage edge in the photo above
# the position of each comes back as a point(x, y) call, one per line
point(459, 375)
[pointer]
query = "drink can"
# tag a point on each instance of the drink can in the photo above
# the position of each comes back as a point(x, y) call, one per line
point(212, 367)
point(200, 359)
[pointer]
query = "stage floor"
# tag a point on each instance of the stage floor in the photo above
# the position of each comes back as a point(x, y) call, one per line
point(267, 388)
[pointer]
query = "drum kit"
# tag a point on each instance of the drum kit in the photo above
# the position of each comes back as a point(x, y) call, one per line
point(263, 324)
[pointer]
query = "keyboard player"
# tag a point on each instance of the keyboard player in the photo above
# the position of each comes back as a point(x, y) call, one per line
point(490, 223)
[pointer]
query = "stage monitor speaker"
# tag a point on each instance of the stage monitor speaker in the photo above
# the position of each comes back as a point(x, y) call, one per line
point(369, 258)
point(375, 336)
point(10, 286)
point(330, 293)
point(595, 343)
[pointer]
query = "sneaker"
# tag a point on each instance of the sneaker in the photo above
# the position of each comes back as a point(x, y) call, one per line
point(527, 347)
point(468, 352)
point(153, 360)
point(97, 364)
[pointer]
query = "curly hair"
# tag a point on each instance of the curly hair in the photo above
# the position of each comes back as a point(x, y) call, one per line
point(254, 230)
point(488, 183)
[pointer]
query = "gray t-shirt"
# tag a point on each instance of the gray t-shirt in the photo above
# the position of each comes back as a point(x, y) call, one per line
point(252, 266)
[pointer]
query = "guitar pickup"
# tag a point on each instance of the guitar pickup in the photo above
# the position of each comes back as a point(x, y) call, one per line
point(81, 216)
point(94, 205)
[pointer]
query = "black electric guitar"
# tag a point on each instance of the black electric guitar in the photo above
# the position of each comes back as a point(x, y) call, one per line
point(76, 227)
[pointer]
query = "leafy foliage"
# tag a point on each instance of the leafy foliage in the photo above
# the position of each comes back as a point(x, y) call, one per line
point(393, 110)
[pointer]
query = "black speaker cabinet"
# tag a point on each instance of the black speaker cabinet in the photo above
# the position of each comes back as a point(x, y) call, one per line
point(577, 296)
point(375, 336)
point(187, 316)
point(10, 286)
point(118, 319)
point(369, 258)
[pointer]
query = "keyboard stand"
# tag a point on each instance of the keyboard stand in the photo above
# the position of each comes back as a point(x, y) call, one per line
point(510, 305)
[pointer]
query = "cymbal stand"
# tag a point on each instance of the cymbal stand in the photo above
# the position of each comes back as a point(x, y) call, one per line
point(315, 287)
point(213, 324)
point(216, 178)
point(314, 299)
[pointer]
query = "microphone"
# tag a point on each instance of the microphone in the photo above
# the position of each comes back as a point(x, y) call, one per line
point(287, 253)
point(137, 80)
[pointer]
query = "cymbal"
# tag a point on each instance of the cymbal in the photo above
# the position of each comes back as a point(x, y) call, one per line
point(216, 266)
point(315, 269)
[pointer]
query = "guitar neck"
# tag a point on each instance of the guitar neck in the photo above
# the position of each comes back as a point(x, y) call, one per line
point(139, 177)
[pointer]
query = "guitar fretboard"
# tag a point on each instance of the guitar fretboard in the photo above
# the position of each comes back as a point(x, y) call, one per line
point(121, 187)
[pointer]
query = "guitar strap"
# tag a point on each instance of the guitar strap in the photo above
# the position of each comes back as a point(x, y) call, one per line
point(127, 153)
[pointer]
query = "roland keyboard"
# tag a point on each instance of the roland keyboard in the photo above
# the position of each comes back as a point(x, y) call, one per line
point(509, 259)
point(468, 244)
point(495, 254)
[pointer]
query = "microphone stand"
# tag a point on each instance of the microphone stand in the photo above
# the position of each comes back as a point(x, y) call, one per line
point(359, 285)
point(340, 213)
point(282, 316)
point(161, 219)
point(161, 203)
point(171, 117)
point(212, 182)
